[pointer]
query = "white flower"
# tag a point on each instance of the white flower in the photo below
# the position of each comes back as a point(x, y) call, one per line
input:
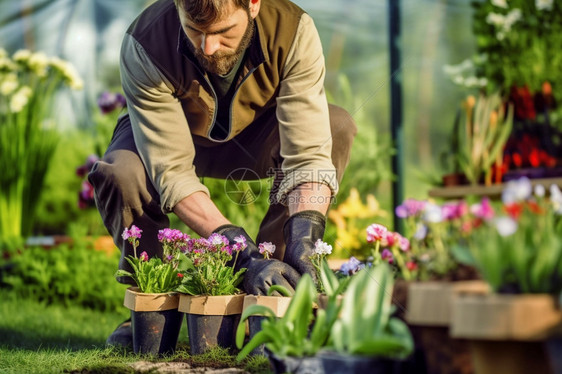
point(539, 190)
point(556, 198)
point(500, 3)
point(68, 71)
point(38, 62)
point(506, 226)
point(322, 248)
point(20, 99)
point(432, 213)
point(544, 4)
point(517, 190)
point(496, 19)
point(9, 84)
point(22, 55)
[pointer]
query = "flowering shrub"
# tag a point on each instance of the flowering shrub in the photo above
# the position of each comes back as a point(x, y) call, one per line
point(156, 275)
point(28, 84)
point(517, 43)
point(517, 247)
point(210, 268)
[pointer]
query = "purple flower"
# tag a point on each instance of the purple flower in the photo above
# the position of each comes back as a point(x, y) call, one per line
point(352, 266)
point(144, 256)
point(109, 101)
point(218, 240)
point(170, 235)
point(133, 233)
point(451, 211)
point(410, 207)
point(387, 256)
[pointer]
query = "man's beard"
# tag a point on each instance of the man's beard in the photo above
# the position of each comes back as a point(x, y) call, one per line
point(221, 63)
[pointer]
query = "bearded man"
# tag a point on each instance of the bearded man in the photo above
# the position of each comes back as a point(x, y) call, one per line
point(218, 88)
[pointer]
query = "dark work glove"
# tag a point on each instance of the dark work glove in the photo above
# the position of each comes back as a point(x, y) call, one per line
point(261, 273)
point(301, 231)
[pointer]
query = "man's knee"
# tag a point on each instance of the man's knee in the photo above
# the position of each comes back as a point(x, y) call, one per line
point(343, 129)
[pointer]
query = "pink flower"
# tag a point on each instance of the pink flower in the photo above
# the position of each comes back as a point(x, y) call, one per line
point(133, 233)
point(266, 249)
point(451, 211)
point(144, 256)
point(239, 243)
point(483, 210)
point(410, 207)
point(376, 232)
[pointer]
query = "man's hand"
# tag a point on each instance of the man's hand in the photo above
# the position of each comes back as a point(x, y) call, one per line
point(301, 231)
point(261, 273)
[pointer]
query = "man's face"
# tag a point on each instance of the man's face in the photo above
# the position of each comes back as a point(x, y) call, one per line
point(218, 46)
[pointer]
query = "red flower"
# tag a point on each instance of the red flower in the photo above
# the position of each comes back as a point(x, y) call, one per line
point(180, 275)
point(411, 265)
point(514, 210)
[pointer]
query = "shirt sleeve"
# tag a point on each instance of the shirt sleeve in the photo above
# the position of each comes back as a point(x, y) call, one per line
point(158, 122)
point(302, 112)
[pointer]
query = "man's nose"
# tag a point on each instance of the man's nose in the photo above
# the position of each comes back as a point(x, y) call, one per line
point(209, 44)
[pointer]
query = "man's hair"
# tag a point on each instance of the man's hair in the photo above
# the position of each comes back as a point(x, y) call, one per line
point(205, 12)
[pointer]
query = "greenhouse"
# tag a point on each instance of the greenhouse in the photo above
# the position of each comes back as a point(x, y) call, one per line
point(164, 210)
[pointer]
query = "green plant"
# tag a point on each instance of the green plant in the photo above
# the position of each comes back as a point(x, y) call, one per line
point(156, 275)
point(518, 249)
point(487, 128)
point(290, 335)
point(366, 326)
point(70, 275)
point(211, 266)
point(28, 85)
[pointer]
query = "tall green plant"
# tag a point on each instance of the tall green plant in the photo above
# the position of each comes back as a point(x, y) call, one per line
point(28, 84)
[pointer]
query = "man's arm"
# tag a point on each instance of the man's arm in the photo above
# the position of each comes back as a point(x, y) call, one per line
point(200, 214)
point(309, 196)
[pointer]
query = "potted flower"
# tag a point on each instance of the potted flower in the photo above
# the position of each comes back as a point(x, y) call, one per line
point(366, 338)
point(209, 293)
point(517, 249)
point(427, 275)
point(155, 318)
point(292, 341)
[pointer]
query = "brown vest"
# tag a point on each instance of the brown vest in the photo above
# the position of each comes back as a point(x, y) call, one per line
point(159, 32)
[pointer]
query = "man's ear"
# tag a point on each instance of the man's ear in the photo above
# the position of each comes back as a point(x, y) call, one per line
point(254, 8)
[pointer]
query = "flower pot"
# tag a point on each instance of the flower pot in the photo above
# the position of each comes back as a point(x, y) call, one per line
point(278, 304)
point(508, 333)
point(295, 365)
point(338, 363)
point(155, 320)
point(211, 320)
point(429, 313)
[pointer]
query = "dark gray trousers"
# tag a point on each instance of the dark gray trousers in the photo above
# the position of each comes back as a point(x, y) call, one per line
point(125, 196)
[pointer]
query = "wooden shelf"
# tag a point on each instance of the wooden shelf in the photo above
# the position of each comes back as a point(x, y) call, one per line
point(495, 190)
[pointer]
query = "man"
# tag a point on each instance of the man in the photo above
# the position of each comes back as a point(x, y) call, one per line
point(213, 88)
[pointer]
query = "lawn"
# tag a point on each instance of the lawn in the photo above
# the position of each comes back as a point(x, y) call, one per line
point(40, 338)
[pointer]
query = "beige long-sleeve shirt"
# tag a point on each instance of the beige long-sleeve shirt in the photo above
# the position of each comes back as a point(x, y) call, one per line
point(170, 100)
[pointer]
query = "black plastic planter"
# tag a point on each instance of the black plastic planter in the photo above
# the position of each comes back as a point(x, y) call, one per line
point(156, 333)
point(336, 363)
point(207, 331)
point(296, 365)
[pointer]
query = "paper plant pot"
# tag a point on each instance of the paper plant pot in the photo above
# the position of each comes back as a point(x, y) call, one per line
point(211, 320)
point(507, 333)
point(278, 304)
point(155, 320)
point(428, 313)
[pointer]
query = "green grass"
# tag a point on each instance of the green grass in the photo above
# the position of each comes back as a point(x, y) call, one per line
point(40, 338)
